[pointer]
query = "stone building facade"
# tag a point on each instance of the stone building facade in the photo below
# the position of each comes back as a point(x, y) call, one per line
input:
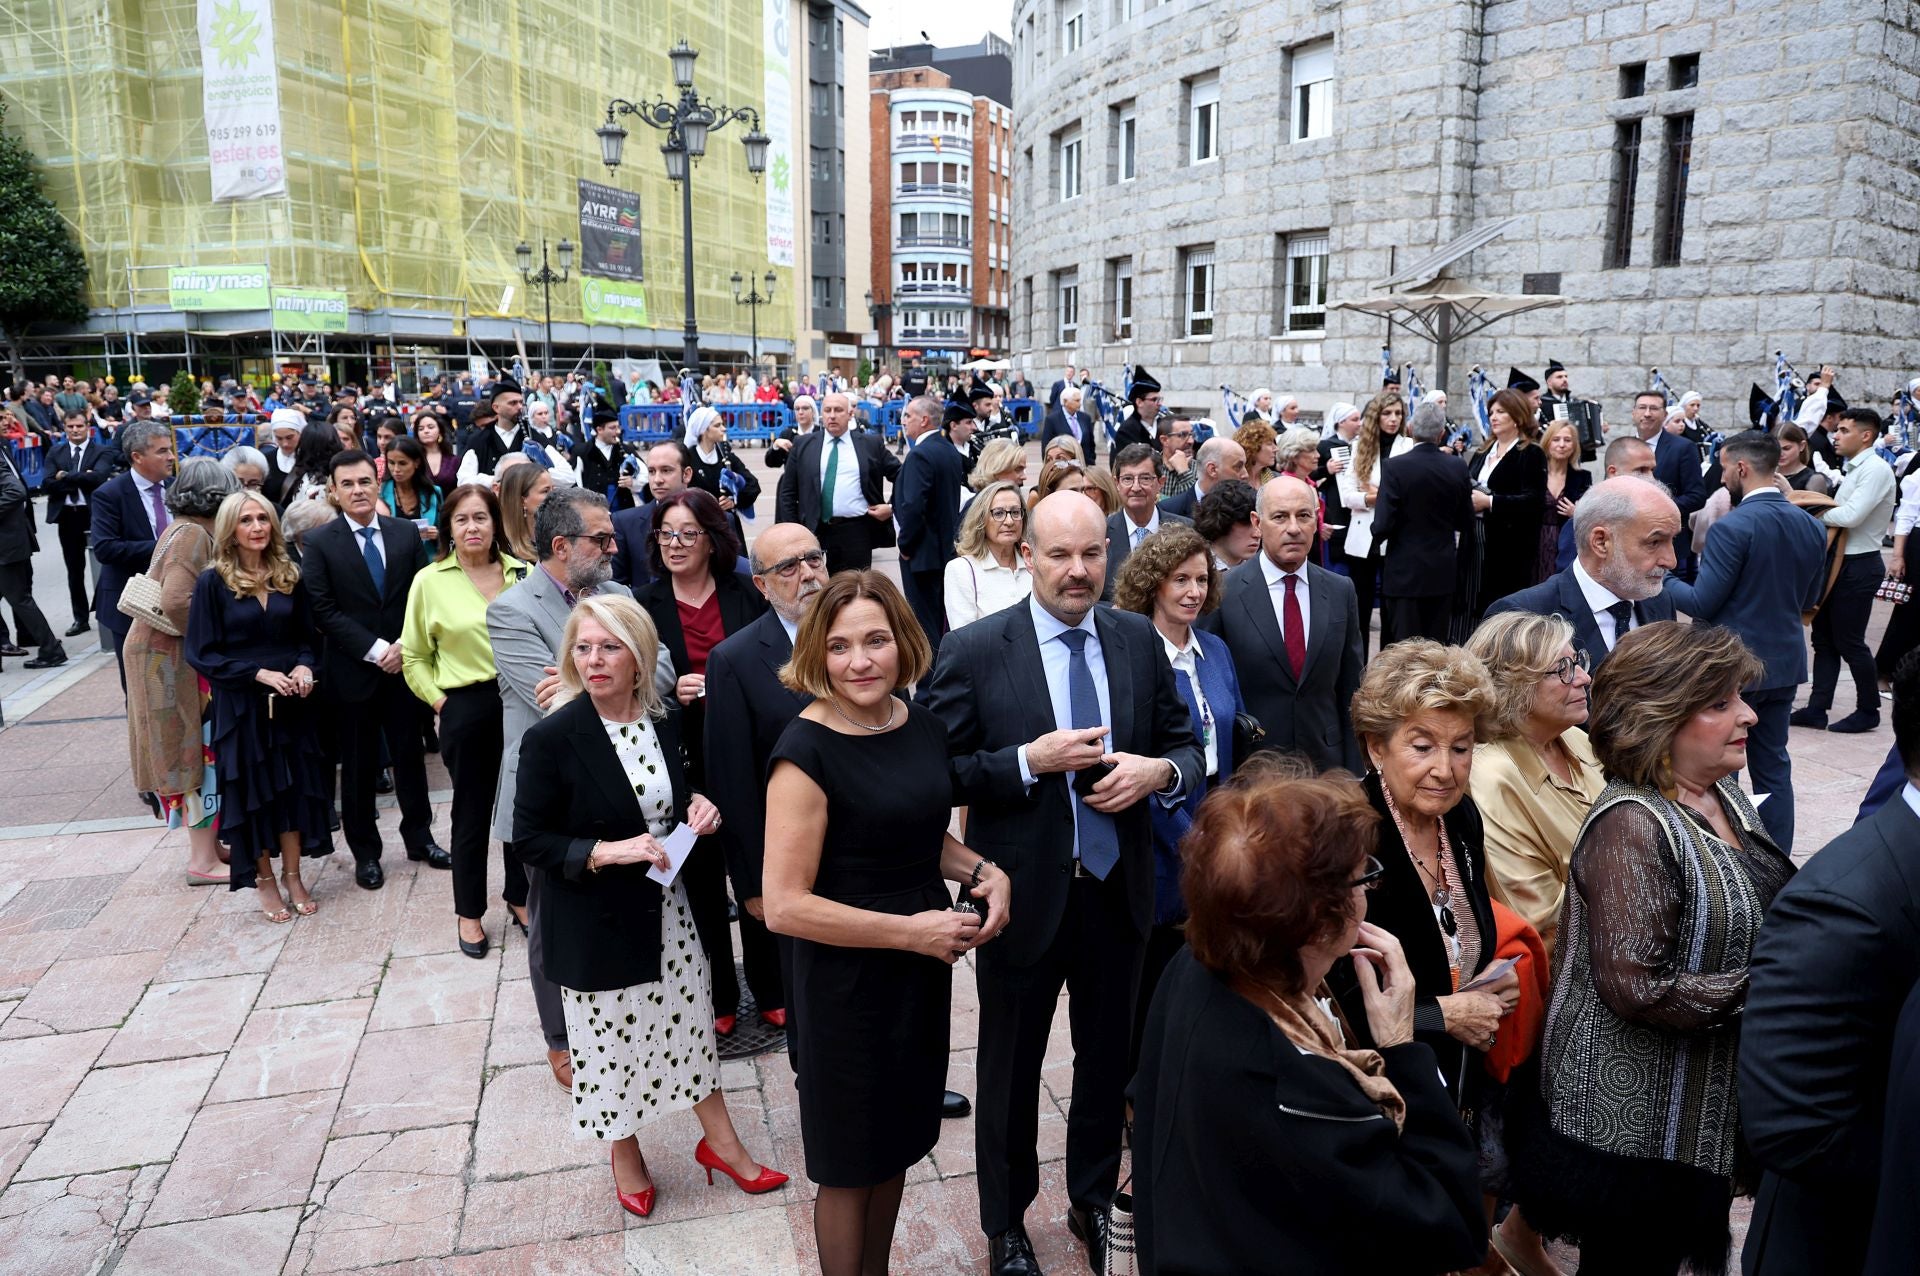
point(1702, 182)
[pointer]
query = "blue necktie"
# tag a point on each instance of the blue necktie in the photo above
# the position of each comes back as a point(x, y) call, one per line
point(1099, 842)
point(375, 568)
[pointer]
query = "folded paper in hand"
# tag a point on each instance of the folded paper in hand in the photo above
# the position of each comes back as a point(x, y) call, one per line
point(676, 844)
point(1485, 977)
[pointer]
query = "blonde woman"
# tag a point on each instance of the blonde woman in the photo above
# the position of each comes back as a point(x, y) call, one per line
point(521, 491)
point(1380, 437)
point(1058, 476)
point(1001, 461)
point(1567, 482)
point(988, 574)
point(250, 634)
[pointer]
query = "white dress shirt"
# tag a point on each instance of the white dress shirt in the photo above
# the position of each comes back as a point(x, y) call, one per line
point(380, 645)
point(1054, 660)
point(848, 501)
point(1599, 598)
point(1277, 594)
point(976, 587)
point(1187, 660)
point(1137, 533)
point(77, 497)
point(1866, 499)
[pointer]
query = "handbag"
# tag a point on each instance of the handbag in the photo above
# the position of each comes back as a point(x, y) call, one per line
point(1122, 1258)
point(140, 600)
point(1248, 736)
point(1894, 591)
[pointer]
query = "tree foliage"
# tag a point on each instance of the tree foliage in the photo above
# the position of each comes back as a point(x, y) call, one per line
point(45, 277)
point(184, 398)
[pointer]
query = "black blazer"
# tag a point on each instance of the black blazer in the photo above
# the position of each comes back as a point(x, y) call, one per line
point(797, 500)
point(345, 607)
point(1519, 489)
point(1425, 502)
point(1079, 428)
point(1251, 1157)
point(1835, 961)
point(632, 534)
point(740, 605)
point(926, 502)
point(1676, 462)
point(95, 467)
point(602, 474)
point(1132, 430)
point(123, 541)
point(1312, 717)
point(1559, 595)
point(990, 688)
point(1896, 1227)
point(747, 709)
point(602, 930)
point(1402, 905)
point(17, 539)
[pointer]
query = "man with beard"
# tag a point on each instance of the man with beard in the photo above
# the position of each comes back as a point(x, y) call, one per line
point(574, 535)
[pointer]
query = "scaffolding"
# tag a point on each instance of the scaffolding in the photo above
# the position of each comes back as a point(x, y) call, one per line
point(424, 139)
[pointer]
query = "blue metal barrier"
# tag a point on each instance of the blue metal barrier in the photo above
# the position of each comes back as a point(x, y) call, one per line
point(31, 462)
point(1027, 414)
point(210, 440)
point(650, 423)
point(885, 417)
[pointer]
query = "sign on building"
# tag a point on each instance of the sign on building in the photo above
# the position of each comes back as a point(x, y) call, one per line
point(240, 91)
point(309, 310)
point(778, 92)
point(604, 301)
point(609, 232)
point(218, 287)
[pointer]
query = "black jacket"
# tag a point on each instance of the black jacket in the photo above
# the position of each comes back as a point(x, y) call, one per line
point(1132, 430)
point(123, 540)
point(1251, 1157)
point(926, 502)
point(17, 538)
point(96, 466)
point(346, 609)
point(1838, 956)
point(602, 930)
point(1079, 429)
point(602, 474)
point(1559, 595)
point(747, 709)
point(1425, 502)
point(797, 500)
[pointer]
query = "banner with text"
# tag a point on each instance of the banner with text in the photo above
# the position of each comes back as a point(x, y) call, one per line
point(309, 310)
point(609, 232)
point(624, 305)
point(778, 88)
point(217, 287)
point(240, 91)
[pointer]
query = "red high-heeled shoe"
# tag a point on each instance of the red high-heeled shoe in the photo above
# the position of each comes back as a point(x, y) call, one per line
point(769, 1178)
point(725, 1024)
point(776, 1018)
point(640, 1203)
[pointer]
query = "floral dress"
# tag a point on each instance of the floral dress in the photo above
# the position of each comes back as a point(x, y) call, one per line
point(642, 1052)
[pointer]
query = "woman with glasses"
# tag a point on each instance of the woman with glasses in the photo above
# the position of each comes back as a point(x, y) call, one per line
point(247, 464)
point(696, 598)
point(989, 574)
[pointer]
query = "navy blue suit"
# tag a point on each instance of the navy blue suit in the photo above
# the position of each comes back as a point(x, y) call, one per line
point(926, 505)
point(632, 529)
point(1762, 567)
point(1676, 462)
point(123, 541)
point(1559, 595)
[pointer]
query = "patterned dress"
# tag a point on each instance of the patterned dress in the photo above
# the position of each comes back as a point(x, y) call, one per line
point(642, 1052)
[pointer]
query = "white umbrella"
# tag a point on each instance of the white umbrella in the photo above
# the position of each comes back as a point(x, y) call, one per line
point(986, 365)
point(1445, 310)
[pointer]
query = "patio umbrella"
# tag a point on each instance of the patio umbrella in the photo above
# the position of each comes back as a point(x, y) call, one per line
point(1446, 310)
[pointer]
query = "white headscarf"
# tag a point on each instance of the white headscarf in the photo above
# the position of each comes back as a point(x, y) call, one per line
point(1691, 396)
point(1339, 412)
point(697, 422)
point(1272, 409)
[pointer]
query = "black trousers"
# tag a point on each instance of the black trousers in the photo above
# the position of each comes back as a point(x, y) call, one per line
point(471, 719)
point(1163, 945)
point(73, 525)
point(926, 594)
point(1096, 955)
point(1840, 634)
point(848, 543)
point(1365, 575)
point(359, 729)
point(1416, 618)
point(16, 586)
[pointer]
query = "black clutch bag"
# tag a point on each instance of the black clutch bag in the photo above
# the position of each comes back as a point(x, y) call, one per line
point(1248, 736)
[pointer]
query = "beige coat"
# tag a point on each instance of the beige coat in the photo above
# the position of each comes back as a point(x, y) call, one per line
point(163, 693)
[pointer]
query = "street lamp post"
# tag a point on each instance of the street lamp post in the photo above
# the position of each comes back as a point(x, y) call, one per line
point(546, 278)
point(753, 301)
point(686, 122)
point(881, 315)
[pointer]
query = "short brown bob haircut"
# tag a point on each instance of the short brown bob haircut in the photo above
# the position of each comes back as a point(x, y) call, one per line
point(1269, 867)
point(806, 671)
point(1656, 678)
point(1148, 567)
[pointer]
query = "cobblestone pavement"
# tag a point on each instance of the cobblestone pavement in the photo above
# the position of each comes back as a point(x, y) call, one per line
point(189, 1089)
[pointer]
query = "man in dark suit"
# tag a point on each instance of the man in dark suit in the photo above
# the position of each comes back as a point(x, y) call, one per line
point(831, 485)
point(129, 513)
point(926, 501)
point(1423, 513)
point(358, 569)
point(76, 467)
point(1831, 969)
point(1140, 473)
point(1676, 462)
point(1064, 722)
point(1067, 419)
point(17, 545)
point(602, 460)
point(1143, 411)
point(1218, 460)
point(1624, 529)
point(669, 469)
point(1295, 634)
point(1761, 568)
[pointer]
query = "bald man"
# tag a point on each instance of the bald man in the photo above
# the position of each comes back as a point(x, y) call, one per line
point(831, 485)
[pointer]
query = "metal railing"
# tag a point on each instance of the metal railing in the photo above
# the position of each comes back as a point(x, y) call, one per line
point(954, 189)
point(934, 241)
point(920, 140)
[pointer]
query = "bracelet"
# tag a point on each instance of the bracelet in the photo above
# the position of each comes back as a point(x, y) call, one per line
point(591, 866)
point(976, 871)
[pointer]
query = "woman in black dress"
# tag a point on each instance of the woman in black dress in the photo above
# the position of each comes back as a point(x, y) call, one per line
point(1567, 482)
point(1510, 493)
point(853, 873)
point(250, 634)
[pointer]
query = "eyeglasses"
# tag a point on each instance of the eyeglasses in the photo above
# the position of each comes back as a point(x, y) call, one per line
point(604, 540)
point(1178, 434)
point(1369, 880)
point(253, 485)
point(611, 650)
point(1139, 480)
point(788, 568)
point(1567, 668)
point(676, 536)
point(1007, 516)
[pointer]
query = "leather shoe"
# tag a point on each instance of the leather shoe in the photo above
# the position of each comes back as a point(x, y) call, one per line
point(1858, 722)
point(561, 1061)
point(954, 1104)
point(333, 819)
point(12, 649)
point(432, 853)
point(475, 948)
point(1809, 717)
point(369, 874)
point(383, 783)
point(77, 628)
point(47, 660)
point(1011, 1254)
point(1090, 1228)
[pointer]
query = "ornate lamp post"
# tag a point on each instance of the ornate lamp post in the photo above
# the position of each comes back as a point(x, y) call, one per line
point(686, 121)
point(753, 301)
point(546, 278)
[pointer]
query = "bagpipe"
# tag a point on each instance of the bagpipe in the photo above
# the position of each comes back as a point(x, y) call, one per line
point(1657, 382)
point(1903, 423)
point(1476, 428)
point(1109, 409)
point(1235, 403)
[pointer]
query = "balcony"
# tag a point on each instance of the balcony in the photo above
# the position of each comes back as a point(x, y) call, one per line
point(927, 141)
point(931, 336)
point(934, 288)
point(934, 241)
point(949, 190)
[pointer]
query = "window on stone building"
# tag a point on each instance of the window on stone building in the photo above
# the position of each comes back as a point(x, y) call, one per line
point(1071, 149)
point(1066, 306)
point(1026, 310)
point(1670, 215)
point(1073, 30)
point(1310, 72)
point(817, 165)
point(1304, 259)
point(1196, 291)
point(1120, 298)
point(1203, 119)
point(1123, 128)
point(822, 292)
point(1626, 186)
point(1683, 72)
point(1633, 80)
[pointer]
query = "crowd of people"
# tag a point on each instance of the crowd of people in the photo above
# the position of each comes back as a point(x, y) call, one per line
point(1469, 936)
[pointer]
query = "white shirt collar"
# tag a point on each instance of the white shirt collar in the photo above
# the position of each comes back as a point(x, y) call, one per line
point(1912, 797)
point(1192, 650)
point(791, 626)
point(1151, 526)
point(1047, 627)
point(1274, 573)
point(988, 563)
point(358, 527)
point(1598, 596)
point(142, 481)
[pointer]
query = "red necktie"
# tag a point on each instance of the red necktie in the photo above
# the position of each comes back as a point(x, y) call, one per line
point(1293, 631)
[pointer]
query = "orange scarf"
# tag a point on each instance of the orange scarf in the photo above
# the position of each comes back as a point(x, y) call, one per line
point(1519, 1032)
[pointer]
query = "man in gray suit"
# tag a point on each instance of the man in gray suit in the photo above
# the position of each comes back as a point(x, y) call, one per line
point(1295, 633)
point(574, 531)
point(1141, 473)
